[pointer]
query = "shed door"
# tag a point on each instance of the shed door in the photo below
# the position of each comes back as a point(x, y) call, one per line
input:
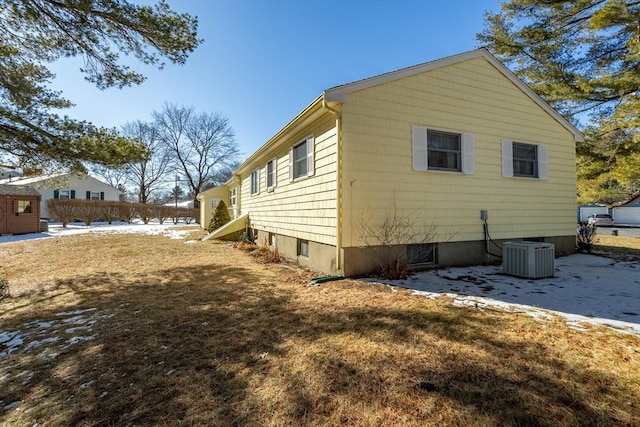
point(4, 205)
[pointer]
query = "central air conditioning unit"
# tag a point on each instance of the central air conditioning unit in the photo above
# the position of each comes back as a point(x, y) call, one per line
point(531, 260)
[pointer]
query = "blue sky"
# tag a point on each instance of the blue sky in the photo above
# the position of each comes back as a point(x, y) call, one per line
point(264, 61)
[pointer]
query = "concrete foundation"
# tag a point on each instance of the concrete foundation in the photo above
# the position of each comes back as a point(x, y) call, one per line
point(321, 257)
point(360, 261)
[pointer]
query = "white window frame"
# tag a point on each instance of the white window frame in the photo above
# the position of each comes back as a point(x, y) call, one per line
point(309, 159)
point(65, 196)
point(233, 202)
point(420, 151)
point(273, 175)
point(255, 181)
point(542, 161)
point(95, 195)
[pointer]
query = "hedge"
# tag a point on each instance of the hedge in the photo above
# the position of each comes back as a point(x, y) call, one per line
point(90, 211)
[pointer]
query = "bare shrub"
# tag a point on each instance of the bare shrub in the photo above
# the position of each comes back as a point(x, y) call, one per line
point(145, 211)
point(88, 211)
point(126, 211)
point(388, 239)
point(585, 236)
point(267, 254)
point(185, 214)
point(164, 212)
point(63, 210)
point(110, 211)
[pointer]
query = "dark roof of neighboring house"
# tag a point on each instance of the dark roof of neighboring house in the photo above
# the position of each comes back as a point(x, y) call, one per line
point(17, 190)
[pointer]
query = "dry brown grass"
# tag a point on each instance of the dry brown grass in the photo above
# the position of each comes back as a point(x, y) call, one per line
point(627, 248)
point(203, 334)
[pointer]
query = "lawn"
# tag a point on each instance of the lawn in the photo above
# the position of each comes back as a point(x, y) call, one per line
point(146, 330)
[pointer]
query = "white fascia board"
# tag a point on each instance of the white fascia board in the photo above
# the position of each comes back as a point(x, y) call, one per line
point(339, 93)
point(275, 141)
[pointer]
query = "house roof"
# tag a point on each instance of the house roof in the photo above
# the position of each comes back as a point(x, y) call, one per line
point(338, 93)
point(17, 190)
point(31, 179)
point(35, 180)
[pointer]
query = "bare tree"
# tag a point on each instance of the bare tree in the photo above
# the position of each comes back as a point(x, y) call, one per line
point(202, 145)
point(148, 174)
point(115, 177)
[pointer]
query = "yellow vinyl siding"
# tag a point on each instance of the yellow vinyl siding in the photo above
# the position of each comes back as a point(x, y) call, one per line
point(306, 208)
point(468, 97)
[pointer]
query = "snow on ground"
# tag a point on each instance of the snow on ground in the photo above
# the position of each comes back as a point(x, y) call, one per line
point(49, 337)
point(586, 288)
point(118, 227)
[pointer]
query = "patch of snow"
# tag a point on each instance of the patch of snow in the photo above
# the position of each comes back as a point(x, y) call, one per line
point(86, 385)
point(40, 343)
point(11, 405)
point(52, 334)
point(75, 340)
point(167, 229)
point(10, 342)
point(585, 289)
point(75, 312)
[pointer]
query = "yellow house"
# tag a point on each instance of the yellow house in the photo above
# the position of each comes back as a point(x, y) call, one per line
point(437, 164)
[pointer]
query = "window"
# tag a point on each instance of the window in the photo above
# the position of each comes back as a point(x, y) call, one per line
point(301, 160)
point(421, 254)
point(232, 196)
point(440, 150)
point(95, 195)
point(303, 248)
point(443, 151)
point(233, 206)
point(24, 206)
point(525, 160)
point(65, 194)
point(271, 174)
point(522, 160)
point(255, 181)
point(272, 240)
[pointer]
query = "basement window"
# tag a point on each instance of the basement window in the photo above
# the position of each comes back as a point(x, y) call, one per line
point(303, 248)
point(421, 254)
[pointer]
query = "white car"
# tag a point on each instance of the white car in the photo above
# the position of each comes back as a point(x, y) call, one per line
point(601, 219)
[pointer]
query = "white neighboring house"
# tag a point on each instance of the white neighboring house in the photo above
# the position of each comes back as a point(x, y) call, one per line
point(184, 204)
point(8, 172)
point(66, 186)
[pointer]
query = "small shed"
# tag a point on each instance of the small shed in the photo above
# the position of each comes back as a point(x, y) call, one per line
point(19, 209)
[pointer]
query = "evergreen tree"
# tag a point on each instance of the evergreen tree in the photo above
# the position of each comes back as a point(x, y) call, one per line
point(220, 217)
point(583, 57)
point(36, 32)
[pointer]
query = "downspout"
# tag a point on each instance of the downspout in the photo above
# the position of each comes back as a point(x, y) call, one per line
point(338, 115)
